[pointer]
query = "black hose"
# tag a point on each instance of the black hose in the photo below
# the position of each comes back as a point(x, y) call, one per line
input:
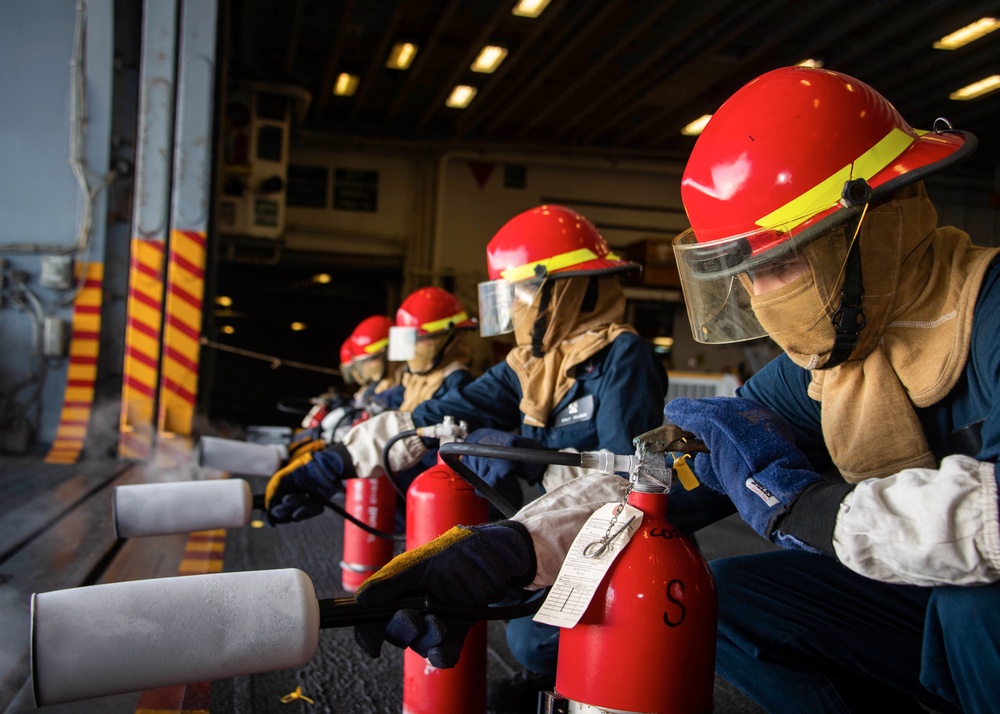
point(451, 452)
point(514, 453)
point(389, 473)
point(258, 503)
point(400, 537)
point(349, 414)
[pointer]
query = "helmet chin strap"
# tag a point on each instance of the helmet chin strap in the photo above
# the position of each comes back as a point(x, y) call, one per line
point(849, 318)
point(541, 320)
point(385, 368)
point(438, 357)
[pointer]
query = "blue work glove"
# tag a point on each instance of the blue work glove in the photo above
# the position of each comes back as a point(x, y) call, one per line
point(753, 458)
point(288, 496)
point(469, 566)
point(496, 471)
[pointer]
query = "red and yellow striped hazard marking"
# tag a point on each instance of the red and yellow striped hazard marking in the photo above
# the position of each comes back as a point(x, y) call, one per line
point(142, 349)
point(202, 554)
point(78, 399)
point(181, 334)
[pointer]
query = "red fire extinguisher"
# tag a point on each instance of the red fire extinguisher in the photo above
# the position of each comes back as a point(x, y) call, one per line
point(646, 643)
point(437, 500)
point(371, 501)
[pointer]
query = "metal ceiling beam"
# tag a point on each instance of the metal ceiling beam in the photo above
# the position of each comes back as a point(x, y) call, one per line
point(377, 61)
point(587, 76)
point(325, 88)
point(521, 59)
point(422, 64)
point(295, 32)
point(544, 62)
point(596, 23)
point(760, 60)
point(605, 107)
point(438, 98)
point(697, 43)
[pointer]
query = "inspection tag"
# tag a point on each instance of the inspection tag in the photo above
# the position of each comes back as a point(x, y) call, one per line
point(593, 551)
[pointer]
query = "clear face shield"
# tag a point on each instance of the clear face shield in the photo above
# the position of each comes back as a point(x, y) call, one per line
point(723, 279)
point(369, 370)
point(402, 343)
point(347, 373)
point(503, 304)
point(418, 351)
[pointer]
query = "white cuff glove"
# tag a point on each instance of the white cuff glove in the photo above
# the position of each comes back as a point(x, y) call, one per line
point(554, 519)
point(365, 442)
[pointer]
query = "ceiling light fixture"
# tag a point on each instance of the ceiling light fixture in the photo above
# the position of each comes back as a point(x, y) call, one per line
point(489, 59)
point(461, 96)
point(227, 329)
point(977, 89)
point(347, 84)
point(322, 278)
point(969, 33)
point(696, 127)
point(529, 8)
point(298, 326)
point(223, 301)
point(402, 55)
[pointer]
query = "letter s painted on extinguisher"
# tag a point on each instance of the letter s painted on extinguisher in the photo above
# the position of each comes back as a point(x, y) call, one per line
point(675, 589)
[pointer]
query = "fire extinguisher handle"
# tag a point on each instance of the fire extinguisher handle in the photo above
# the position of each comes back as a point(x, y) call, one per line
point(346, 612)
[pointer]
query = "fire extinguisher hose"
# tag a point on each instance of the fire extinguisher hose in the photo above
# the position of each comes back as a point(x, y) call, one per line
point(451, 452)
point(389, 473)
point(258, 502)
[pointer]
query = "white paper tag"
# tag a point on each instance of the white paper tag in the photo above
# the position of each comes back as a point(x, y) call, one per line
point(586, 564)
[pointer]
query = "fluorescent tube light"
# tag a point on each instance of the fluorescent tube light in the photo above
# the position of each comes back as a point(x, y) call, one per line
point(461, 96)
point(529, 8)
point(347, 84)
point(489, 59)
point(696, 127)
point(969, 33)
point(401, 56)
point(977, 89)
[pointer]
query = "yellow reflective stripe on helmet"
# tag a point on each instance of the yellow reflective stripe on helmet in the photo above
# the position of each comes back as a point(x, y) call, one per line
point(376, 346)
point(828, 192)
point(556, 262)
point(443, 324)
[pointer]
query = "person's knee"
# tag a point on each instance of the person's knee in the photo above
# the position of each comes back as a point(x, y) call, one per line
point(535, 646)
point(953, 607)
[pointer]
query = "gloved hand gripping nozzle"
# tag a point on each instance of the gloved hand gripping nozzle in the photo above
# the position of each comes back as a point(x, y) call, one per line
point(654, 447)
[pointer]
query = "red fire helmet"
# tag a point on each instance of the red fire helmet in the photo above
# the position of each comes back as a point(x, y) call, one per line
point(371, 336)
point(553, 241)
point(346, 352)
point(431, 310)
point(779, 153)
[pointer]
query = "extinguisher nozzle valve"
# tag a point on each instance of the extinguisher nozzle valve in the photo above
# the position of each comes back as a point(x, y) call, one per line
point(609, 463)
point(449, 430)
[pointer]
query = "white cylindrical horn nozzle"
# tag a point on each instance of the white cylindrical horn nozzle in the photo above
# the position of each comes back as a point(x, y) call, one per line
point(151, 509)
point(127, 637)
point(240, 457)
